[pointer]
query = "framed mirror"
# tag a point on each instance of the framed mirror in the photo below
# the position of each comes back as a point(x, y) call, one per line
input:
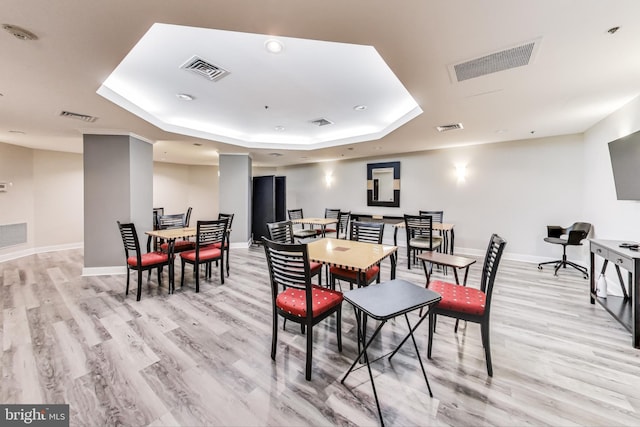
point(383, 184)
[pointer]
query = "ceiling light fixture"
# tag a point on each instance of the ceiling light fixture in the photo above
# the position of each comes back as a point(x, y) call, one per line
point(274, 46)
point(360, 107)
point(184, 97)
point(279, 128)
point(19, 33)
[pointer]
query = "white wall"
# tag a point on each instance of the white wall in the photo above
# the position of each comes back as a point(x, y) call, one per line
point(514, 189)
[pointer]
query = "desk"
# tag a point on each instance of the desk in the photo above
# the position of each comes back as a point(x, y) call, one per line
point(383, 302)
point(322, 222)
point(448, 234)
point(624, 309)
point(350, 254)
point(170, 235)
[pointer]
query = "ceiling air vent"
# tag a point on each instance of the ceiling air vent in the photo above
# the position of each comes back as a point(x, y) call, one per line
point(454, 126)
point(204, 68)
point(322, 122)
point(517, 56)
point(77, 116)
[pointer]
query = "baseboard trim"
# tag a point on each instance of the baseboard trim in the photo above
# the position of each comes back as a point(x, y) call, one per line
point(104, 271)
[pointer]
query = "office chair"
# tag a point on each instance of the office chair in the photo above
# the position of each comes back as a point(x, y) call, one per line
point(576, 233)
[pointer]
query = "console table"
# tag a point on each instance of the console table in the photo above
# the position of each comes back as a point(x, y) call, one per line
point(624, 309)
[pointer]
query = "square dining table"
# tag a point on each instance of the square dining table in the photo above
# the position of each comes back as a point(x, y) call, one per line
point(171, 235)
point(322, 222)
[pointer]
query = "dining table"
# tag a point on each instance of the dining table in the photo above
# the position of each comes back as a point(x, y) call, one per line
point(351, 254)
point(447, 230)
point(171, 235)
point(322, 222)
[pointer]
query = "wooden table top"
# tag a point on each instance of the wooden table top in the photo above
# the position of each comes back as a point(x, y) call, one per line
point(446, 259)
point(436, 226)
point(173, 233)
point(315, 221)
point(348, 254)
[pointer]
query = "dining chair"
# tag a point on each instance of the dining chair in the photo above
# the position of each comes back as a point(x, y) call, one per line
point(343, 225)
point(368, 232)
point(282, 232)
point(436, 215)
point(210, 239)
point(174, 221)
point(229, 218)
point(332, 214)
point(420, 236)
point(138, 261)
point(293, 296)
point(467, 303)
point(187, 216)
point(300, 233)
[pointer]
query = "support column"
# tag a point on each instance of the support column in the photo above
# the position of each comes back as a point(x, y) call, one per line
point(235, 195)
point(118, 186)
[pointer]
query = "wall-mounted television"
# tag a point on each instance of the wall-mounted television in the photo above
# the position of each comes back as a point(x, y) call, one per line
point(625, 162)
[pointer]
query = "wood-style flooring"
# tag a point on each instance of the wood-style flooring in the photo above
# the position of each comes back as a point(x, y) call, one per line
point(204, 359)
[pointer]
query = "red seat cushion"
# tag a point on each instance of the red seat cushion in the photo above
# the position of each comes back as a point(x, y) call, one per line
point(352, 274)
point(150, 258)
point(459, 298)
point(315, 267)
point(294, 301)
point(178, 246)
point(206, 254)
point(217, 245)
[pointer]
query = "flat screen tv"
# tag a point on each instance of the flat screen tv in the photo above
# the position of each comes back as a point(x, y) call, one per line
point(625, 162)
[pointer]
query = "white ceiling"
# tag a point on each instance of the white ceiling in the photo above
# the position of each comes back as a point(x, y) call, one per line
point(580, 73)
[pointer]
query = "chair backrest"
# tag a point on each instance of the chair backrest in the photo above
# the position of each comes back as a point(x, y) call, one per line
point(578, 232)
point(436, 215)
point(343, 222)
point(288, 268)
point(228, 217)
point(490, 267)
point(369, 232)
point(332, 213)
point(130, 239)
point(281, 232)
point(156, 213)
point(170, 221)
point(295, 213)
point(419, 226)
point(187, 217)
point(210, 232)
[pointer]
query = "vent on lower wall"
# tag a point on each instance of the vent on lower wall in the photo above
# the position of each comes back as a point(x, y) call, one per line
point(494, 62)
point(13, 234)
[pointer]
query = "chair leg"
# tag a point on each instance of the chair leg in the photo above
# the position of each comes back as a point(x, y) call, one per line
point(339, 328)
point(227, 260)
point(484, 329)
point(309, 353)
point(127, 290)
point(182, 274)
point(196, 269)
point(274, 335)
point(140, 273)
point(222, 268)
point(408, 257)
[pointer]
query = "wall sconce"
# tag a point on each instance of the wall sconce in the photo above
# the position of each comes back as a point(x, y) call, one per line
point(328, 179)
point(461, 172)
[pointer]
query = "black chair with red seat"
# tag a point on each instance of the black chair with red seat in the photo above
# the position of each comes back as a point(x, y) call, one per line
point(575, 234)
point(295, 298)
point(138, 261)
point(282, 232)
point(333, 228)
point(210, 239)
point(467, 303)
point(343, 224)
point(229, 218)
point(369, 232)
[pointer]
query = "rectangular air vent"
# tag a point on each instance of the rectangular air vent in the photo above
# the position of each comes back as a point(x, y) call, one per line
point(322, 122)
point(204, 68)
point(517, 56)
point(454, 126)
point(83, 117)
point(13, 234)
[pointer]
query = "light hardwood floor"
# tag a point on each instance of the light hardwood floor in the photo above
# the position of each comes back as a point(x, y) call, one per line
point(204, 359)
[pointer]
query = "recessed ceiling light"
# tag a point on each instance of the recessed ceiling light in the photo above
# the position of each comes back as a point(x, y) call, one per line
point(279, 128)
point(274, 46)
point(360, 107)
point(184, 97)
